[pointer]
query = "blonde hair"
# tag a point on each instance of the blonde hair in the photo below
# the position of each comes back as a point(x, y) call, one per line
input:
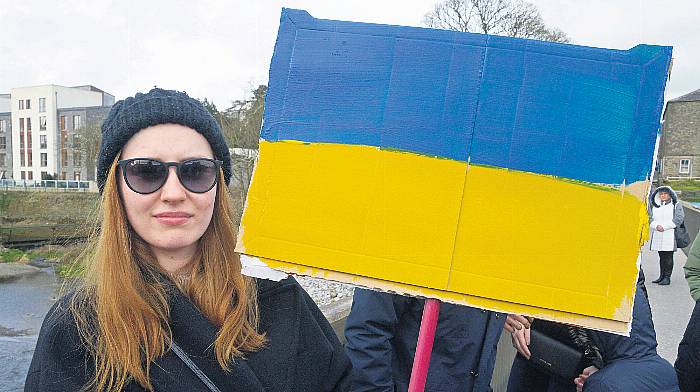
point(121, 307)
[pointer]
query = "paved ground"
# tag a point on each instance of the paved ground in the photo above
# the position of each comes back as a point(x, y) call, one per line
point(671, 306)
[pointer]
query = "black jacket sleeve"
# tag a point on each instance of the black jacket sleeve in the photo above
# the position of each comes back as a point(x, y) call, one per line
point(60, 362)
point(688, 361)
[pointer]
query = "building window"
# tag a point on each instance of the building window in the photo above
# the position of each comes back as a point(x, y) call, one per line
point(3, 142)
point(42, 141)
point(77, 159)
point(42, 105)
point(29, 124)
point(76, 176)
point(42, 123)
point(62, 122)
point(23, 175)
point(30, 162)
point(44, 175)
point(30, 175)
point(29, 104)
point(64, 160)
point(29, 140)
point(684, 167)
point(76, 122)
point(21, 141)
point(3, 156)
point(3, 126)
point(44, 159)
point(21, 104)
point(21, 125)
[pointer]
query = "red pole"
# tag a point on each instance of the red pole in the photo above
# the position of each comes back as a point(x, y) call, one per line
point(426, 337)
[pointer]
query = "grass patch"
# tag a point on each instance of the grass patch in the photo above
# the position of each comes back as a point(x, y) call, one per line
point(50, 252)
point(10, 255)
point(683, 185)
point(70, 270)
point(69, 265)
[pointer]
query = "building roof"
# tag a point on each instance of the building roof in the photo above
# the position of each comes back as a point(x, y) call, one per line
point(90, 87)
point(690, 97)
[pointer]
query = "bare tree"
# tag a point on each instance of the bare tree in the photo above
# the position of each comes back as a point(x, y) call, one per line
point(240, 124)
point(88, 143)
point(245, 118)
point(513, 18)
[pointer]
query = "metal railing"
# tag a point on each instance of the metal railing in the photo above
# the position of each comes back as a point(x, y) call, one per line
point(59, 185)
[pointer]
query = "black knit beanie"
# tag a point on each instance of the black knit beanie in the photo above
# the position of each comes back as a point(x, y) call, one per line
point(158, 106)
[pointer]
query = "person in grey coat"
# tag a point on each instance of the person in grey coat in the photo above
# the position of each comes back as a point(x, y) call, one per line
point(665, 215)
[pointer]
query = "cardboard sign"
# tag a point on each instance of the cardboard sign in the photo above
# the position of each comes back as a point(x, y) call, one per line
point(502, 173)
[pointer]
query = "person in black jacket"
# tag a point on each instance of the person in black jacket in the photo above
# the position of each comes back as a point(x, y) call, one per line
point(688, 362)
point(382, 333)
point(163, 305)
point(626, 363)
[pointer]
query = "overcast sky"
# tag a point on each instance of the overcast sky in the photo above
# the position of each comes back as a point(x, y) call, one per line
point(221, 49)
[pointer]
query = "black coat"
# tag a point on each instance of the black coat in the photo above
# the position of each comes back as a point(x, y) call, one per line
point(688, 361)
point(302, 352)
point(382, 332)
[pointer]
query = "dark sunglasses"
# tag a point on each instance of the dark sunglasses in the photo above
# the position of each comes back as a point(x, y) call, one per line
point(145, 175)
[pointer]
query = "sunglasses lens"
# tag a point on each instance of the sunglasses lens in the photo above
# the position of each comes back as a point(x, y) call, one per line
point(198, 175)
point(145, 175)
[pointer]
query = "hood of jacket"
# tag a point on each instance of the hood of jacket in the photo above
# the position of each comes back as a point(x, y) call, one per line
point(655, 198)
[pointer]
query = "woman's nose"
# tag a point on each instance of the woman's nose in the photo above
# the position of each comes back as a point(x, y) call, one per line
point(172, 189)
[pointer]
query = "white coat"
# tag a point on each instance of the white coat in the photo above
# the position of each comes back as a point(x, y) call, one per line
point(663, 216)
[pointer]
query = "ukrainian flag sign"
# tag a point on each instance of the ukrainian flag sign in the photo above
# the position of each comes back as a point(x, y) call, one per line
point(502, 173)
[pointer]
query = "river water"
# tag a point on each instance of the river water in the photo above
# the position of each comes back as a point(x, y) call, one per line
point(23, 305)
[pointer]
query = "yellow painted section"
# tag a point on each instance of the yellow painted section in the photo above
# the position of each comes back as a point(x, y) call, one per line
point(519, 240)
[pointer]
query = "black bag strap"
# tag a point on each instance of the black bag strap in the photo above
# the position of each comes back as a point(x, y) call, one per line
point(195, 369)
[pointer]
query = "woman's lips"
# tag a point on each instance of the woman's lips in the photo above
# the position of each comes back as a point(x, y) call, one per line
point(173, 218)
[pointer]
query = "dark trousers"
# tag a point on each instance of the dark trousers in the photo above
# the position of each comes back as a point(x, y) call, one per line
point(666, 263)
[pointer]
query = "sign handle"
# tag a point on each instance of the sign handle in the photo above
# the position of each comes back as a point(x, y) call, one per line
point(426, 337)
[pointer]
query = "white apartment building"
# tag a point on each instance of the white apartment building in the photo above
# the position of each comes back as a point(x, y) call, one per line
point(44, 136)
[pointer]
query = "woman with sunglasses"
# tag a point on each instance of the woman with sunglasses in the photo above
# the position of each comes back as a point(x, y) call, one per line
point(163, 305)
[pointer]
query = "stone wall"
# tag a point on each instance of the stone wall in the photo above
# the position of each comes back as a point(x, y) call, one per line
point(680, 138)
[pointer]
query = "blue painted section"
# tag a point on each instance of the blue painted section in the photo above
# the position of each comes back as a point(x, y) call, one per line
point(577, 112)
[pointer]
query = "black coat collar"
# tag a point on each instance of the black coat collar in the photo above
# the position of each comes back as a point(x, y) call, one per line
point(269, 369)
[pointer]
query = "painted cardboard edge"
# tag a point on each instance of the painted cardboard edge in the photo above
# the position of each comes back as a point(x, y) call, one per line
point(596, 323)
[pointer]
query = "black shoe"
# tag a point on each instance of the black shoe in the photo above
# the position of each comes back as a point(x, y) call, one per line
point(665, 281)
point(659, 279)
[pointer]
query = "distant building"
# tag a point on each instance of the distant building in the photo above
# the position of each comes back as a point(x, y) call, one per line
point(41, 138)
point(679, 151)
point(5, 137)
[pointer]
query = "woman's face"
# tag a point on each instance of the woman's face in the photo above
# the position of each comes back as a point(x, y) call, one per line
point(664, 196)
point(172, 219)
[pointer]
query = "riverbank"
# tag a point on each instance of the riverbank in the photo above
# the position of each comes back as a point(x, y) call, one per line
point(10, 272)
point(30, 216)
